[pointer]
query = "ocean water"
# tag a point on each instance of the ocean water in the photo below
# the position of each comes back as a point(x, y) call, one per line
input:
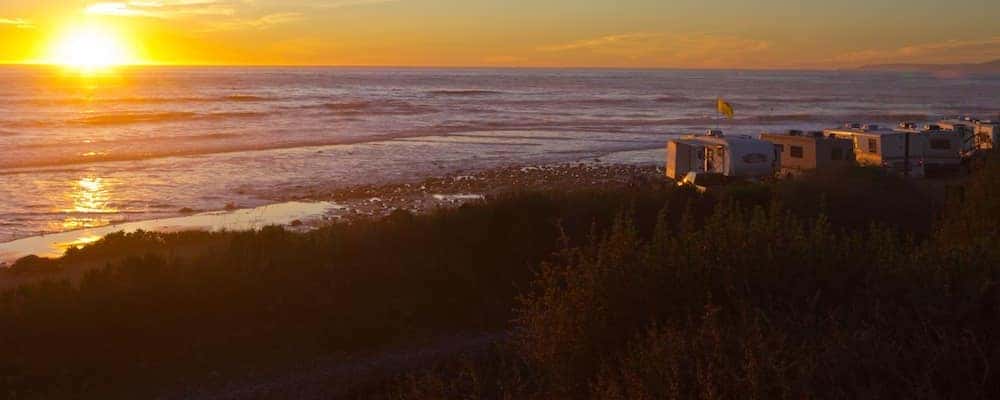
point(83, 151)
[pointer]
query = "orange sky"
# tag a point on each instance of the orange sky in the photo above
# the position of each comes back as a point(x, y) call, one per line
point(546, 33)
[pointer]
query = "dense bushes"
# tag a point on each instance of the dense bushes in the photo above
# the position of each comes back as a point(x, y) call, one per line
point(759, 302)
point(648, 293)
point(253, 299)
point(763, 305)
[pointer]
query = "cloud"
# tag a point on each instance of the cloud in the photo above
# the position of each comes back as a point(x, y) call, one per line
point(666, 49)
point(164, 8)
point(263, 22)
point(349, 3)
point(945, 52)
point(214, 15)
point(601, 43)
point(17, 23)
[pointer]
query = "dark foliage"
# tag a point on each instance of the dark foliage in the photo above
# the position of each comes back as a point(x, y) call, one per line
point(759, 302)
point(259, 298)
point(647, 293)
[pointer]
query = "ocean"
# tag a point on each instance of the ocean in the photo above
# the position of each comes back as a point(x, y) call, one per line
point(84, 151)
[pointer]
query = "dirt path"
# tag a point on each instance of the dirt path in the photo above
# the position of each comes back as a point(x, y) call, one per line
point(332, 378)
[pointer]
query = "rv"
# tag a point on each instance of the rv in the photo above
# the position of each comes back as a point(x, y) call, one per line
point(734, 156)
point(798, 151)
point(982, 134)
point(898, 151)
point(943, 149)
point(988, 134)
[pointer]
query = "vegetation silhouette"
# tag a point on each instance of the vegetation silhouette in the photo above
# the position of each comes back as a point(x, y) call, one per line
point(648, 292)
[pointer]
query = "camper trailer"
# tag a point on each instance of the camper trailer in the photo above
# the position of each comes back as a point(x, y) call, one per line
point(734, 156)
point(964, 130)
point(900, 152)
point(988, 134)
point(943, 149)
point(982, 134)
point(799, 151)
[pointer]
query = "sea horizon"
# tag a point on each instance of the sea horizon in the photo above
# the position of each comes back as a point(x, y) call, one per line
point(89, 151)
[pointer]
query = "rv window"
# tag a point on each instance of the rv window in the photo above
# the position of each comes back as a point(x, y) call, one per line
point(837, 155)
point(872, 146)
point(940, 144)
point(795, 151)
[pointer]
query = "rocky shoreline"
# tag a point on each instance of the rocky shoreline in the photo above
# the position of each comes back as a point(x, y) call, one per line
point(452, 190)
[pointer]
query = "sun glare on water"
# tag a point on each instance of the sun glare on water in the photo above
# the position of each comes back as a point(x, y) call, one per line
point(90, 48)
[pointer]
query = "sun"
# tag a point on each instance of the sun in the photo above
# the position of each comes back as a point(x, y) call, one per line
point(90, 47)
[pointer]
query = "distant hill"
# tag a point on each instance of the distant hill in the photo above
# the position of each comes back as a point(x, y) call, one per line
point(991, 67)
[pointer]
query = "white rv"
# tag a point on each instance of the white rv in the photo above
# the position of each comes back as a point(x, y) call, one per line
point(983, 135)
point(734, 156)
point(943, 150)
point(881, 147)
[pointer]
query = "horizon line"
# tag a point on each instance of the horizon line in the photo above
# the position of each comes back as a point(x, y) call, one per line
point(396, 66)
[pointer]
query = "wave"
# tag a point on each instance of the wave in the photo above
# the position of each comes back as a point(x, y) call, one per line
point(465, 92)
point(118, 143)
point(794, 100)
point(377, 107)
point(605, 101)
point(817, 118)
point(672, 99)
point(74, 101)
point(60, 163)
point(140, 117)
point(131, 118)
point(247, 98)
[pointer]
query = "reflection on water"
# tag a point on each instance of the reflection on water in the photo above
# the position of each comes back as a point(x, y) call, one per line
point(91, 198)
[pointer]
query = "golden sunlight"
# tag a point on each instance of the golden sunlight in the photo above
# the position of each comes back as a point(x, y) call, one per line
point(90, 47)
point(90, 199)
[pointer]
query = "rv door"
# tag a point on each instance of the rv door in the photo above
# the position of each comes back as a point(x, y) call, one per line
point(715, 159)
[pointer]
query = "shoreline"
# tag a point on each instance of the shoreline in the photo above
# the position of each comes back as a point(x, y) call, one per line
point(324, 205)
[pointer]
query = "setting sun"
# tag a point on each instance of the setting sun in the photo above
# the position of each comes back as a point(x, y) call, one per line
point(90, 47)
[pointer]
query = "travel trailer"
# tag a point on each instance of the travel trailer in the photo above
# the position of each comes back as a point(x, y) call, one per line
point(983, 134)
point(988, 134)
point(799, 151)
point(898, 151)
point(943, 150)
point(734, 156)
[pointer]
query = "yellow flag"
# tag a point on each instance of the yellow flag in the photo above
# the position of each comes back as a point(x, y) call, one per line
point(724, 108)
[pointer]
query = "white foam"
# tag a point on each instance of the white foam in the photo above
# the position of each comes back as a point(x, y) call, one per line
point(54, 245)
point(458, 197)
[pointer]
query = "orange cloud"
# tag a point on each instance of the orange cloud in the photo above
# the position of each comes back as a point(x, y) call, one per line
point(668, 49)
point(945, 52)
point(17, 23)
point(263, 22)
point(163, 8)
